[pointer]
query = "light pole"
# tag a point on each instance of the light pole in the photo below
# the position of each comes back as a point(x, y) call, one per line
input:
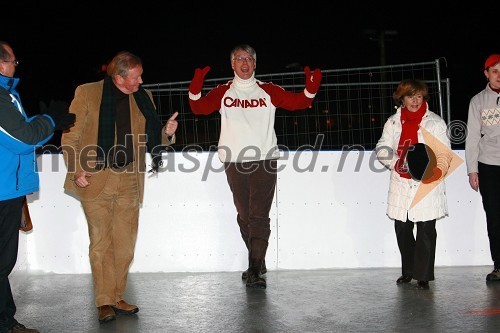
point(380, 36)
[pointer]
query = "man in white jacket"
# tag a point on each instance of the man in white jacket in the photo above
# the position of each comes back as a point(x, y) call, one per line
point(482, 154)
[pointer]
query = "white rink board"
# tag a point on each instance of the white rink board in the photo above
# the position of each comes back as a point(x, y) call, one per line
point(320, 218)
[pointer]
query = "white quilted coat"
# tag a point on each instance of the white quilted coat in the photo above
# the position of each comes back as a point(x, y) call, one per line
point(402, 191)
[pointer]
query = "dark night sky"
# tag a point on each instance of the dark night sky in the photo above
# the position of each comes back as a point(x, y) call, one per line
point(65, 45)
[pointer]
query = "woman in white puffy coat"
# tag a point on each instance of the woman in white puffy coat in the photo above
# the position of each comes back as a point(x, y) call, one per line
point(411, 200)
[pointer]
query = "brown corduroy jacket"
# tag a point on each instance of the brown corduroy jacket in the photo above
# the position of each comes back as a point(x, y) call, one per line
point(80, 141)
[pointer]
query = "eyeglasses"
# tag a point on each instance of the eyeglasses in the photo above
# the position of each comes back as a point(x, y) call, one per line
point(15, 62)
point(241, 59)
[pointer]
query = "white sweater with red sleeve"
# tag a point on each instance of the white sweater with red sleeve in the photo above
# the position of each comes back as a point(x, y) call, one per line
point(247, 109)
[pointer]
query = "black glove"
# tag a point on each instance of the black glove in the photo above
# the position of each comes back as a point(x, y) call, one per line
point(67, 122)
point(58, 111)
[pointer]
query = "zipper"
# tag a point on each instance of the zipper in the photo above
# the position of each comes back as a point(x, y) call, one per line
point(17, 171)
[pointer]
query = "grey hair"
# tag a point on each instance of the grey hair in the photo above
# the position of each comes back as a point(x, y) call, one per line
point(243, 47)
point(122, 63)
point(4, 54)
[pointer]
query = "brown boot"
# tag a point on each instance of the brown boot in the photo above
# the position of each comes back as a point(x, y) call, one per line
point(263, 270)
point(123, 307)
point(256, 257)
point(106, 314)
point(258, 249)
point(254, 279)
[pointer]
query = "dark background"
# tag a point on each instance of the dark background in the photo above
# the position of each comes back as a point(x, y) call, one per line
point(63, 44)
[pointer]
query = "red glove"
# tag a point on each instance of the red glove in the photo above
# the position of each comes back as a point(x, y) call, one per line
point(436, 175)
point(197, 82)
point(312, 81)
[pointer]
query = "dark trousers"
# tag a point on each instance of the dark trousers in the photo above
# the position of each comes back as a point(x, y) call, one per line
point(253, 185)
point(489, 187)
point(417, 256)
point(10, 220)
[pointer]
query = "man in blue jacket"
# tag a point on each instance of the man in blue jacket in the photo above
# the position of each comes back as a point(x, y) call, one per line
point(19, 137)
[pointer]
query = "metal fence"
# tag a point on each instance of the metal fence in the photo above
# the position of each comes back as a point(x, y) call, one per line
point(350, 108)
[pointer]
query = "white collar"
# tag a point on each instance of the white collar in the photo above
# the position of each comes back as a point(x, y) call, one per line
point(241, 83)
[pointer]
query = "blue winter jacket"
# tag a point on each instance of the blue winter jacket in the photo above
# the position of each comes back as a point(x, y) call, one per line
point(19, 137)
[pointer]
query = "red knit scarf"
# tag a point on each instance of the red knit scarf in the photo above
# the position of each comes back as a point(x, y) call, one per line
point(410, 122)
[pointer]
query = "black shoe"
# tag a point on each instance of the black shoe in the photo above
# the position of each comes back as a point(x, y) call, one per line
point(494, 276)
point(20, 328)
point(423, 285)
point(403, 279)
point(263, 270)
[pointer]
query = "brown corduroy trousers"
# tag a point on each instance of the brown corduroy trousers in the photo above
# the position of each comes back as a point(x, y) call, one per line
point(112, 219)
